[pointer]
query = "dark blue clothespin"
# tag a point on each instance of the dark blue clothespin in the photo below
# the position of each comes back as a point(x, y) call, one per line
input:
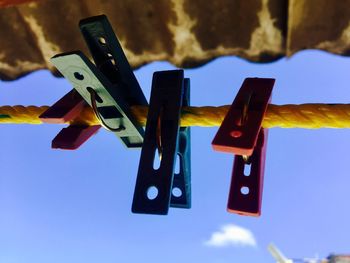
point(109, 86)
point(158, 188)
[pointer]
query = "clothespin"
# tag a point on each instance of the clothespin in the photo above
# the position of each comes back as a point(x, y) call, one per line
point(64, 110)
point(156, 188)
point(110, 86)
point(241, 134)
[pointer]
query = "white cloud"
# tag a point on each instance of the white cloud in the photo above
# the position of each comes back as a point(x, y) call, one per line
point(231, 235)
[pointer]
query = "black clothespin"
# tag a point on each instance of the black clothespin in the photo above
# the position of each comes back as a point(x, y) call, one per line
point(110, 86)
point(170, 91)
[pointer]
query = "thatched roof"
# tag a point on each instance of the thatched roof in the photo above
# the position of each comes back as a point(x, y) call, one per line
point(187, 33)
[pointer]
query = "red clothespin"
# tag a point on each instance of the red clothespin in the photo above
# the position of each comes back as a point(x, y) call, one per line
point(64, 110)
point(241, 133)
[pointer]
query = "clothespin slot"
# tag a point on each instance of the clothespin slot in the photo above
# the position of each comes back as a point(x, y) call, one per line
point(154, 190)
point(64, 110)
point(241, 134)
point(110, 86)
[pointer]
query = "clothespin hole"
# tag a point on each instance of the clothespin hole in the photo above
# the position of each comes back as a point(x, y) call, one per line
point(176, 192)
point(236, 134)
point(156, 160)
point(247, 167)
point(177, 164)
point(152, 192)
point(244, 190)
point(78, 76)
point(102, 40)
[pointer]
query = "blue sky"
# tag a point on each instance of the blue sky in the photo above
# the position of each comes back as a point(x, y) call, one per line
point(75, 206)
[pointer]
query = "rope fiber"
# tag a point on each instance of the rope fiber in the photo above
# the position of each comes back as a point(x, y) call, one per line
point(308, 116)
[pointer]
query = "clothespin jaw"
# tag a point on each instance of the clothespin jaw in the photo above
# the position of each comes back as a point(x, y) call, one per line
point(64, 110)
point(169, 93)
point(241, 133)
point(110, 86)
point(245, 196)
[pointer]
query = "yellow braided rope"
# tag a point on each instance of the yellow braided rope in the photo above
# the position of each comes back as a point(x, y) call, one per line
point(309, 116)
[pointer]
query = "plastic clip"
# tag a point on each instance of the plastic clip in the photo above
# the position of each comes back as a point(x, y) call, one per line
point(64, 110)
point(157, 188)
point(241, 133)
point(110, 87)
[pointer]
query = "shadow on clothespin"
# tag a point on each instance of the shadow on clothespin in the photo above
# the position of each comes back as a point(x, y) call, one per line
point(109, 87)
point(241, 134)
point(157, 188)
